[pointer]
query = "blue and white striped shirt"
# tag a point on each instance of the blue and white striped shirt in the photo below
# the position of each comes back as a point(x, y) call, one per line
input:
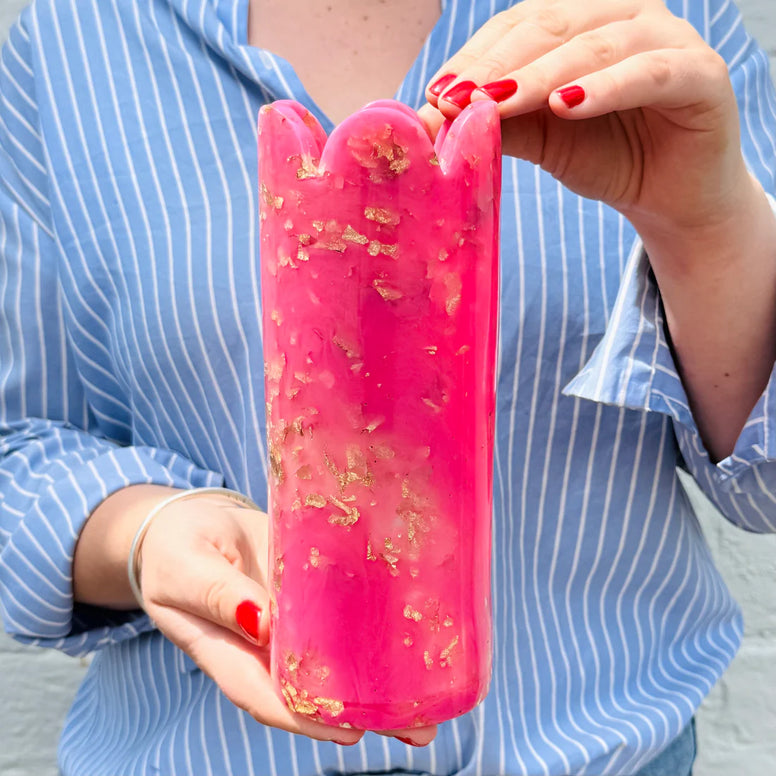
point(130, 352)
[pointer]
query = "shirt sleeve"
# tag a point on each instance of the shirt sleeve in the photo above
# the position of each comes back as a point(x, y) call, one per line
point(57, 462)
point(633, 365)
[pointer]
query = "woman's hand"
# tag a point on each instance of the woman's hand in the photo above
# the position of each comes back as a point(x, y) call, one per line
point(618, 99)
point(203, 576)
point(625, 103)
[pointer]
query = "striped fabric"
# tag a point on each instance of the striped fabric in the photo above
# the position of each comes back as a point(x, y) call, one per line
point(130, 352)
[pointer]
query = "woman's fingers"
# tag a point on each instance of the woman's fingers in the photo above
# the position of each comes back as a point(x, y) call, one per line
point(587, 53)
point(667, 79)
point(475, 49)
point(417, 736)
point(242, 673)
point(220, 579)
point(513, 39)
point(211, 588)
point(551, 44)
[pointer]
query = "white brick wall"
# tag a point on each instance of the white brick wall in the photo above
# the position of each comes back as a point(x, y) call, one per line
point(736, 723)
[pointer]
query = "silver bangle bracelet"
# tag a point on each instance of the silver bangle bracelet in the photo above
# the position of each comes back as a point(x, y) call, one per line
point(133, 569)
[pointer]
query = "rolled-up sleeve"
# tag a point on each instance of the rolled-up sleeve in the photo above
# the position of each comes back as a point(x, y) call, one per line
point(58, 460)
point(633, 367)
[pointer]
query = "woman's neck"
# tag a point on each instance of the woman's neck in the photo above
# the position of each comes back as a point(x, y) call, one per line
point(345, 52)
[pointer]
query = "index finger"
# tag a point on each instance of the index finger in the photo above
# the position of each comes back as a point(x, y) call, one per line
point(243, 674)
point(472, 51)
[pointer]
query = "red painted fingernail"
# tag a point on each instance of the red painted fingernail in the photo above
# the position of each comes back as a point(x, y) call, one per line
point(499, 90)
point(248, 616)
point(460, 94)
point(407, 741)
point(572, 95)
point(441, 84)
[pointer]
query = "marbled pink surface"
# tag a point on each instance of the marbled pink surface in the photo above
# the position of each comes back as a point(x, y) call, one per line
point(380, 287)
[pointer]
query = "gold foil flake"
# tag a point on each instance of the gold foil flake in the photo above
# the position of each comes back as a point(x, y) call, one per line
point(376, 248)
point(370, 555)
point(399, 166)
point(448, 622)
point(433, 405)
point(386, 292)
point(355, 458)
point(428, 660)
point(269, 199)
point(382, 215)
point(277, 573)
point(286, 261)
point(297, 505)
point(308, 167)
point(433, 161)
point(351, 235)
point(274, 368)
point(291, 662)
point(408, 641)
point(453, 285)
point(357, 469)
point(276, 463)
point(315, 556)
point(288, 225)
point(463, 349)
point(373, 424)
point(382, 452)
point(333, 707)
point(277, 317)
point(349, 518)
point(315, 500)
point(319, 225)
point(380, 154)
point(351, 350)
point(390, 556)
point(304, 472)
point(305, 239)
point(407, 492)
point(431, 349)
point(303, 377)
point(334, 243)
point(411, 511)
point(416, 524)
point(412, 614)
point(443, 255)
point(392, 251)
point(302, 254)
point(444, 655)
point(297, 701)
point(309, 120)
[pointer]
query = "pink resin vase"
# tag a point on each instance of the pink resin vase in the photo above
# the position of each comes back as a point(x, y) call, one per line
point(379, 276)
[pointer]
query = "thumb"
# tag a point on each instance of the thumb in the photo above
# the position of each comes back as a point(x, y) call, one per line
point(214, 588)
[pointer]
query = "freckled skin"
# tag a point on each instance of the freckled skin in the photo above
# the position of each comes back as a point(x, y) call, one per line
point(379, 288)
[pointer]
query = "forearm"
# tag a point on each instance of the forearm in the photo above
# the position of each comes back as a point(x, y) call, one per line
point(718, 286)
point(100, 561)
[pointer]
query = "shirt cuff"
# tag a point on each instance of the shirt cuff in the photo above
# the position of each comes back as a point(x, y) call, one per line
point(37, 601)
point(633, 367)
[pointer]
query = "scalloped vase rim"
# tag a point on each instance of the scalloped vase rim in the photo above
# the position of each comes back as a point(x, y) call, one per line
point(439, 150)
